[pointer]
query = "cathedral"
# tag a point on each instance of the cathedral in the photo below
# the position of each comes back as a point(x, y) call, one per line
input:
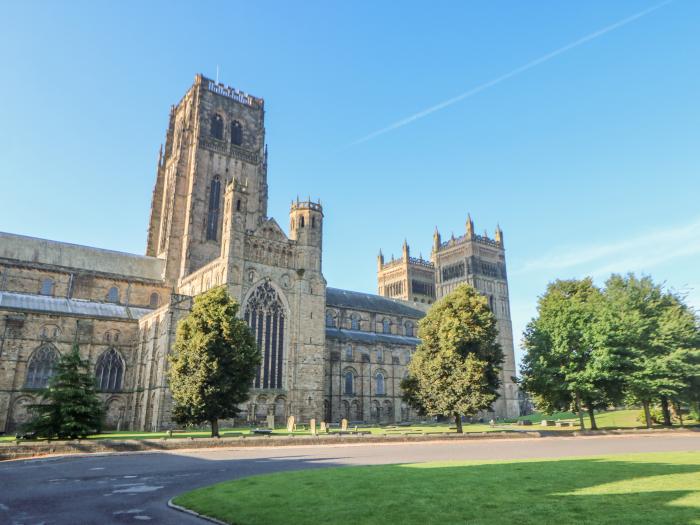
point(326, 353)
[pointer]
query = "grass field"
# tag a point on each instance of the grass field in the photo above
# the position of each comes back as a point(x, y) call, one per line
point(641, 488)
point(606, 420)
point(609, 419)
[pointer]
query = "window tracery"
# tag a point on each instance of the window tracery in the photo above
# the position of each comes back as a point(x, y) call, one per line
point(265, 314)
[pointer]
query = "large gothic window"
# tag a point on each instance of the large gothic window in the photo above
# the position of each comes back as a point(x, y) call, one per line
point(236, 133)
point(349, 382)
point(41, 367)
point(213, 213)
point(109, 371)
point(217, 126)
point(265, 315)
point(379, 384)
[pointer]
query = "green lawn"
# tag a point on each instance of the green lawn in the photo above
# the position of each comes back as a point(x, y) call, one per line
point(609, 419)
point(640, 488)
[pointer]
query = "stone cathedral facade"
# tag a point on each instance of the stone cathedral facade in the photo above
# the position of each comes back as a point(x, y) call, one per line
point(327, 353)
point(474, 259)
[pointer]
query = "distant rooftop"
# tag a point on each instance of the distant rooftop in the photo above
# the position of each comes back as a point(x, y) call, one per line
point(338, 298)
point(43, 251)
point(61, 305)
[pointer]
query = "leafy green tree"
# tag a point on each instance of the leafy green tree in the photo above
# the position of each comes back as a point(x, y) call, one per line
point(213, 363)
point(565, 366)
point(70, 407)
point(659, 335)
point(455, 370)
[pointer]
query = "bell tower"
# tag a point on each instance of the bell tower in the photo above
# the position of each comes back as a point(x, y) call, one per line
point(216, 134)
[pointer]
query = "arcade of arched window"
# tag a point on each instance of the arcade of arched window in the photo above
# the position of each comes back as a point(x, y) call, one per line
point(394, 289)
point(265, 315)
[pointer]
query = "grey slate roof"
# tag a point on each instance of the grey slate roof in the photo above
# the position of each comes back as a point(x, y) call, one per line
point(358, 336)
point(62, 305)
point(75, 256)
point(370, 302)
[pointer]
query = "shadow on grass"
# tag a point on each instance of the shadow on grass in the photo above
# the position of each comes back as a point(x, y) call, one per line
point(525, 492)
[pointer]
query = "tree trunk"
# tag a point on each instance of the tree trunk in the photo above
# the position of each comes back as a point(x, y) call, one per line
point(215, 428)
point(666, 412)
point(458, 423)
point(679, 412)
point(647, 413)
point(591, 415)
point(580, 412)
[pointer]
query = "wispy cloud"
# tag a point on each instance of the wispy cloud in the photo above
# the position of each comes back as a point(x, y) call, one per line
point(640, 252)
point(518, 70)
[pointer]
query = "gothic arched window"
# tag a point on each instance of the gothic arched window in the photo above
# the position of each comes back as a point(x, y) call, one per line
point(348, 352)
point(113, 295)
point(217, 126)
point(386, 326)
point(379, 384)
point(47, 286)
point(349, 382)
point(154, 300)
point(354, 322)
point(41, 367)
point(330, 320)
point(236, 133)
point(265, 314)
point(409, 328)
point(109, 371)
point(213, 213)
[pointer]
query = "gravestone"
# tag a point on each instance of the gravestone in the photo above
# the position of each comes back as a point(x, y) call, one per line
point(271, 421)
point(343, 424)
point(290, 424)
point(324, 427)
point(547, 423)
point(312, 426)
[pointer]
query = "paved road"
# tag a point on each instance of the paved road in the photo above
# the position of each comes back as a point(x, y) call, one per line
point(134, 488)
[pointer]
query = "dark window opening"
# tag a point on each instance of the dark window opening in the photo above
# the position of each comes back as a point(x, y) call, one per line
point(213, 213)
point(236, 133)
point(217, 127)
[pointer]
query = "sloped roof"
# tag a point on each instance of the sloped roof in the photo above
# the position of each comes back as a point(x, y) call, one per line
point(359, 336)
point(335, 297)
point(75, 256)
point(62, 305)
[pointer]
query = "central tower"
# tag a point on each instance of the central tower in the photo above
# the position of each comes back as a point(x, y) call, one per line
point(216, 135)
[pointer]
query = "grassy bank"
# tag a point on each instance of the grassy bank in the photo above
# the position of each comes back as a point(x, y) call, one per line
point(606, 420)
point(641, 488)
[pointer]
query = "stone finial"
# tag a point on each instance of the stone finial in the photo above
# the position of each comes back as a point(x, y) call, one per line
point(436, 240)
point(499, 235)
point(470, 226)
point(405, 251)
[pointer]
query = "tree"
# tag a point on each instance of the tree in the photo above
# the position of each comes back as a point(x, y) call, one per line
point(565, 366)
point(455, 370)
point(658, 335)
point(70, 406)
point(213, 363)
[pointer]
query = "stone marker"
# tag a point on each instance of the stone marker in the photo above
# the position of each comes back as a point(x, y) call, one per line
point(324, 427)
point(312, 426)
point(343, 424)
point(547, 423)
point(290, 424)
point(271, 421)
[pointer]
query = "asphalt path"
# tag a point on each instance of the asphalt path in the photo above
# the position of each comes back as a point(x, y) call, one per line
point(135, 487)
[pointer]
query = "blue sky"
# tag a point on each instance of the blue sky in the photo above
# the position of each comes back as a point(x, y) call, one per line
point(588, 159)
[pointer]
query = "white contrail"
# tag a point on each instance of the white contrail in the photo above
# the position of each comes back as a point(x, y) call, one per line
point(510, 74)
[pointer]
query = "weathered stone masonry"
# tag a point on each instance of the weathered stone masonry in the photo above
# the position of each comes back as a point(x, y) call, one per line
point(327, 353)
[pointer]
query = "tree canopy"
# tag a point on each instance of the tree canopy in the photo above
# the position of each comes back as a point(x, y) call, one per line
point(594, 348)
point(455, 371)
point(214, 361)
point(70, 407)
